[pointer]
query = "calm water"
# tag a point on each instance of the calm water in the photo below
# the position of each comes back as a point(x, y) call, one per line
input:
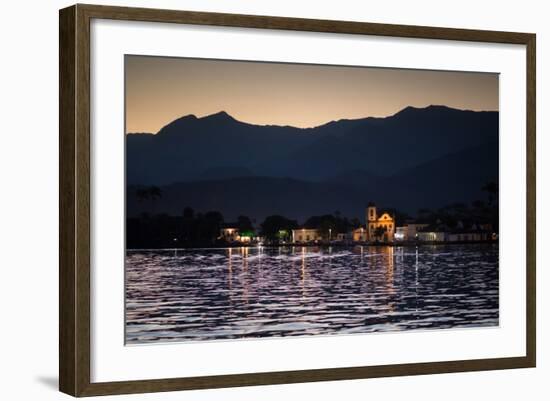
point(210, 294)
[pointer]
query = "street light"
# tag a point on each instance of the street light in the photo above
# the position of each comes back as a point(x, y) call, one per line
point(329, 234)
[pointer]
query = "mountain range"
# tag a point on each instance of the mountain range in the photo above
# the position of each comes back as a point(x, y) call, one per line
point(417, 158)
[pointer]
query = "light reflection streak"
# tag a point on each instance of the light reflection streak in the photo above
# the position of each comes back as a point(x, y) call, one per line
point(199, 295)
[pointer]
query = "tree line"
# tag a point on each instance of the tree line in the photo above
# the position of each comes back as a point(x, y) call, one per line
point(192, 229)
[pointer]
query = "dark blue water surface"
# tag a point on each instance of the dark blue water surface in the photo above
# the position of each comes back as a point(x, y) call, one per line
point(211, 294)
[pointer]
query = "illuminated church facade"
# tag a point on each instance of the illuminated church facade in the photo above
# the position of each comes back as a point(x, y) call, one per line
point(380, 227)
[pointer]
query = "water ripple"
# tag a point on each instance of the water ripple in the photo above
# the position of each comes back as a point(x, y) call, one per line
point(211, 294)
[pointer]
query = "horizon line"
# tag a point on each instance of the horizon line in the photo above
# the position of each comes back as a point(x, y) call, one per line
point(223, 112)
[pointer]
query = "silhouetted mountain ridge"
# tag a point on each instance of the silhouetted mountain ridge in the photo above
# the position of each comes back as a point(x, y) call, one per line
point(188, 146)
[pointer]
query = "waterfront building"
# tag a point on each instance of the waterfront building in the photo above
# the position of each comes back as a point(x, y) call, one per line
point(229, 234)
point(400, 233)
point(306, 235)
point(412, 228)
point(433, 233)
point(475, 232)
point(432, 236)
point(360, 234)
point(469, 236)
point(381, 227)
point(459, 233)
point(232, 234)
point(341, 237)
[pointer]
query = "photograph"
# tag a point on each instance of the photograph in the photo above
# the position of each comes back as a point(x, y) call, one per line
point(270, 199)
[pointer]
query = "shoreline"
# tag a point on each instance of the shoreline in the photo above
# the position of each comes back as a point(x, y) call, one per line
point(324, 245)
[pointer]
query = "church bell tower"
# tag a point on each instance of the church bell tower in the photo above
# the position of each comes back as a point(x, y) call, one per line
point(371, 220)
point(371, 213)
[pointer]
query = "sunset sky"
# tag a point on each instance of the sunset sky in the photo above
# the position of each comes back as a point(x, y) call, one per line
point(161, 89)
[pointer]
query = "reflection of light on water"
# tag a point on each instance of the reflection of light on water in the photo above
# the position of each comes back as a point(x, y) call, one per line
point(399, 254)
point(303, 272)
point(416, 280)
point(230, 272)
point(260, 248)
point(244, 254)
point(207, 294)
point(389, 263)
point(390, 274)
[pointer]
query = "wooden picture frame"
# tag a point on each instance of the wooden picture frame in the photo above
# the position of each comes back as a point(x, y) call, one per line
point(74, 206)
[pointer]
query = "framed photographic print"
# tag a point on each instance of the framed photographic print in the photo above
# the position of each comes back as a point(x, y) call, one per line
point(250, 200)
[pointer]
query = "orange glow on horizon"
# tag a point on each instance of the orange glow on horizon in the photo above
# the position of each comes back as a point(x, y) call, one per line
point(162, 89)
